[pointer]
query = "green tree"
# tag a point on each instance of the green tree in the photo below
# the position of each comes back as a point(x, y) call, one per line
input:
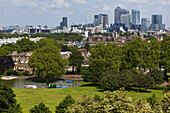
point(153, 54)
point(62, 107)
point(103, 58)
point(76, 59)
point(41, 108)
point(26, 45)
point(47, 62)
point(146, 81)
point(110, 80)
point(166, 102)
point(135, 55)
point(157, 75)
point(8, 103)
point(45, 42)
point(87, 46)
point(165, 55)
point(113, 102)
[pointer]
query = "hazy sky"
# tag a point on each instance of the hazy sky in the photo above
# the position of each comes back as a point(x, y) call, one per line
point(50, 12)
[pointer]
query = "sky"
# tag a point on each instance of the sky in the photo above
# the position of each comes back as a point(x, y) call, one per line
point(50, 12)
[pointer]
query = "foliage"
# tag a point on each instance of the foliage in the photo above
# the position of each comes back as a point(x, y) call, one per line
point(41, 108)
point(109, 80)
point(103, 58)
point(26, 73)
point(68, 101)
point(153, 54)
point(26, 45)
point(61, 36)
point(146, 81)
point(64, 48)
point(112, 80)
point(157, 75)
point(6, 63)
point(166, 102)
point(47, 62)
point(165, 56)
point(9, 72)
point(87, 46)
point(76, 59)
point(116, 102)
point(8, 103)
point(134, 54)
point(166, 89)
point(45, 42)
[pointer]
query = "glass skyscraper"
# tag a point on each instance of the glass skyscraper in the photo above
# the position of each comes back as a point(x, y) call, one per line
point(135, 17)
point(156, 19)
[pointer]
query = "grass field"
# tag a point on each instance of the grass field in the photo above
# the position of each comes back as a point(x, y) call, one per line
point(51, 97)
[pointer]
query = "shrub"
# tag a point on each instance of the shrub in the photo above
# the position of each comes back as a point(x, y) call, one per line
point(26, 73)
point(62, 107)
point(10, 72)
point(41, 108)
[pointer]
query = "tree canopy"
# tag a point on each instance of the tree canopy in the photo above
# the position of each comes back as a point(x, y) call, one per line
point(47, 62)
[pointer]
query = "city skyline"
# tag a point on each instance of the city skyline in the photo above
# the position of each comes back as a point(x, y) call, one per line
point(30, 12)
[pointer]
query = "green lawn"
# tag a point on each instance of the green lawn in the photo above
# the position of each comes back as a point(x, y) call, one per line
point(51, 97)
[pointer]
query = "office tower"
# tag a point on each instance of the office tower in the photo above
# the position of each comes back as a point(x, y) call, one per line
point(118, 12)
point(145, 24)
point(96, 20)
point(156, 19)
point(105, 21)
point(64, 21)
point(157, 23)
point(101, 20)
point(135, 17)
point(125, 19)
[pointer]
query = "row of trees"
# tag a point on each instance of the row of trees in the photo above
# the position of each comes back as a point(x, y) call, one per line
point(112, 102)
point(61, 36)
point(112, 80)
point(135, 54)
point(25, 45)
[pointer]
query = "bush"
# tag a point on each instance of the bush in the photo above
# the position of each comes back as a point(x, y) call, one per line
point(41, 108)
point(157, 75)
point(10, 72)
point(19, 73)
point(109, 81)
point(62, 107)
point(26, 73)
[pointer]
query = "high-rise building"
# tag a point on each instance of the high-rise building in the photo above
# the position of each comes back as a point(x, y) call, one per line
point(105, 21)
point(64, 21)
point(156, 19)
point(125, 19)
point(145, 24)
point(157, 23)
point(118, 12)
point(135, 17)
point(101, 20)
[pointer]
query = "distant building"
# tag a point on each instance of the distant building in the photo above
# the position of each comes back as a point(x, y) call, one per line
point(135, 17)
point(125, 19)
point(117, 14)
point(101, 20)
point(145, 24)
point(157, 23)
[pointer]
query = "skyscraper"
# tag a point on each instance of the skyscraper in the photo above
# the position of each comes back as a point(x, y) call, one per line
point(64, 21)
point(101, 20)
point(145, 24)
point(105, 21)
point(157, 23)
point(156, 19)
point(135, 17)
point(118, 12)
point(125, 19)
